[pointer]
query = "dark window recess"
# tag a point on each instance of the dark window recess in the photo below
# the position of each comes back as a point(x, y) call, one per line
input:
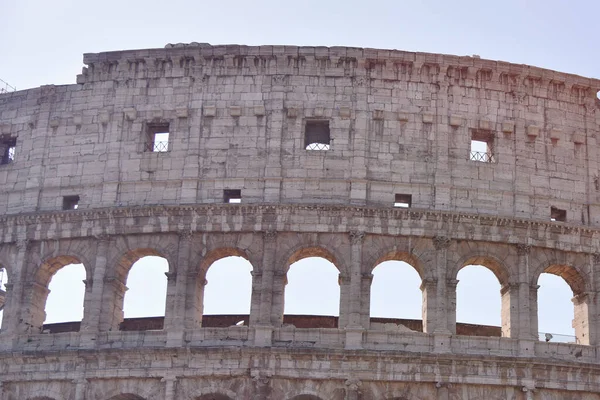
point(157, 138)
point(70, 202)
point(7, 150)
point(232, 196)
point(556, 214)
point(316, 135)
point(482, 147)
point(403, 200)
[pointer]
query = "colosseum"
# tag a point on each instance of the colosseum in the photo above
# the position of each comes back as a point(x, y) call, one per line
point(196, 152)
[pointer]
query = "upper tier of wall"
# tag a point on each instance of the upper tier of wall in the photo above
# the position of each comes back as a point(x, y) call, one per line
point(401, 123)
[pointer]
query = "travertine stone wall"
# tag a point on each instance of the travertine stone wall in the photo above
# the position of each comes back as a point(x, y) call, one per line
point(400, 123)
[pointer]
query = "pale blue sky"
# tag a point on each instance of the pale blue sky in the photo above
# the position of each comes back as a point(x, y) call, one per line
point(42, 42)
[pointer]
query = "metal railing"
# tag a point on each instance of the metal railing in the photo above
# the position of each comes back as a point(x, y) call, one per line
point(318, 146)
point(557, 338)
point(5, 87)
point(481, 156)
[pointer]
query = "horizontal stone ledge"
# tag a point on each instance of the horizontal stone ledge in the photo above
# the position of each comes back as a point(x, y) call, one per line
point(252, 218)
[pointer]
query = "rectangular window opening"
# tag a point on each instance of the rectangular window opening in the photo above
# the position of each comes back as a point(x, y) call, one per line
point(232, 196)
point(157, 138)
point(482, 147)
point(70, 202)
point(558, 215)
point(317, 135)
point(7, 150)
point(403, 200)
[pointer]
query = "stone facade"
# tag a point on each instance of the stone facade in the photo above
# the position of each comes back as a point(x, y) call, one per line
point(239, 119)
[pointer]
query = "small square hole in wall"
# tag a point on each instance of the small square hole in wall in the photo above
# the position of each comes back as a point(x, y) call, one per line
point(482, 147)
point(157, 138)
point(403, 200)
point(7, 150)
point(232, 196)
point(317, 135)
point(558, 215)
point(70, 202)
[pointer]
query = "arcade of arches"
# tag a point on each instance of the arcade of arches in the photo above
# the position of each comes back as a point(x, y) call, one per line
point(354, 260)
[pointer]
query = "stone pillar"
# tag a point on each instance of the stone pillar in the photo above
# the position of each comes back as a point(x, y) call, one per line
point(533, 310)
point(351, 298)
point(14, 291)
point(594, 302)
point(175, 310)
point(365, 294)
point(94, 286)
point(450, 289)
point(509, 294)
point(194, 301)
point(523, 322)
point(583, 305)
point(278, 306)
point(34, 313)
point(113, 294)
point(170, 387)
point(265, 281)
point(440, 294)
point(80, 388)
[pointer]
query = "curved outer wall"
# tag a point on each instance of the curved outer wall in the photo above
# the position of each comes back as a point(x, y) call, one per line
point(400, 123)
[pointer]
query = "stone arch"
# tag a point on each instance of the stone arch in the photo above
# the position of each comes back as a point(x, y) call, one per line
point(491, 258)
point(51, 254)
point(395, 255)
point(567, 267)
point(207, 263)
point(331, 247)
point(303, 251)
point(207, 392)
point(489, 261)
point(219, 253)
point(124, 251)
point(38, 288)
point(217, 246)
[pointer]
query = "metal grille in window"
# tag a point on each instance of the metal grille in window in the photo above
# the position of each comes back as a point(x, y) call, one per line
point(481, 156)
point(11, 154)
point(316, 135)
point(158, 146)
point(7, 150)
point(317, 146)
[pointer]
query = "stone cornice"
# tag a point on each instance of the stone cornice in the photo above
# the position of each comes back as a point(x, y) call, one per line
point(202, 58)
point(542, 370)
point(291, 217)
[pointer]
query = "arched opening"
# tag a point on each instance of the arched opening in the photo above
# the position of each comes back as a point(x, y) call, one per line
point(56, 297)
point(396, 296)
point(228, 292)
point(64, 305)
point(562, 306)
point(312, 290)
point(3, 282)
point(144, 301)
point(479, 310)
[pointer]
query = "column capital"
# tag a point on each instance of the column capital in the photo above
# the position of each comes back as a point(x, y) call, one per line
point(343, 279)
point(185, 234)
point(508, 287)
point(102, 237)
point(171, 276)
point(428, 282)
point(367, 276)
point(353, 384)
point(356, 237)
point(23, 244)
point(441, 242)
point(269, 235)
point(89, 283)
point(523, 249)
